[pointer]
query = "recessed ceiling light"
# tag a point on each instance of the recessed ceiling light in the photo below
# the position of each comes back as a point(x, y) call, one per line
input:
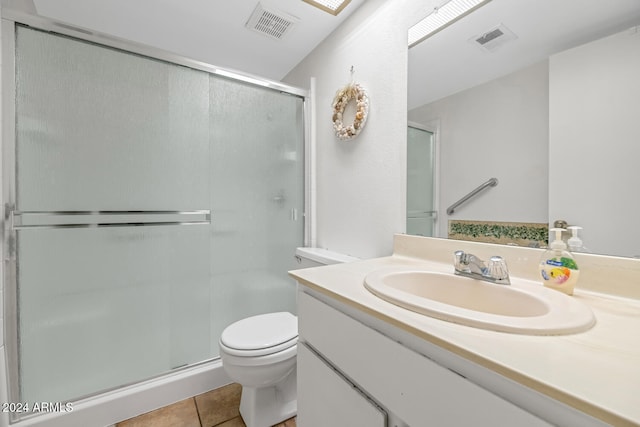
point(333, 7)
point(442, 17)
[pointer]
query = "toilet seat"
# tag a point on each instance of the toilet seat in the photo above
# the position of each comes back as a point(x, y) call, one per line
point(260, 335)
point(240, 359)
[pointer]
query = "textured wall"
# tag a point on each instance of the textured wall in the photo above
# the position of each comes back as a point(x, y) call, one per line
point(361, 183)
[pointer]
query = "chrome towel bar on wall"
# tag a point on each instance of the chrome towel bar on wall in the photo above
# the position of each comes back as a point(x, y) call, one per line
point(490, 183)
point(21, 220)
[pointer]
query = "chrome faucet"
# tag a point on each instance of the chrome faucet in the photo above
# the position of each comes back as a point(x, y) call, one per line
point(470, 265)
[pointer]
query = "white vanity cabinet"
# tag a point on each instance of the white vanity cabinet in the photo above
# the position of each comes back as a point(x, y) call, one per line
point(328, 399)
point(343, 361)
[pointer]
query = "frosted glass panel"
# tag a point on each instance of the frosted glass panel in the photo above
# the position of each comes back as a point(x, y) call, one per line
point(98, 129)
point(420, 182)
point(91, 118)
point(257, 199)
point(104, 307)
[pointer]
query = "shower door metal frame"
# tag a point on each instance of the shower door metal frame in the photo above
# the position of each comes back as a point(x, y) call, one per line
point(9, 291)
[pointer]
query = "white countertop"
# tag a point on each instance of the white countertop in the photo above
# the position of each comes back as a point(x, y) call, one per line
point(596, 372)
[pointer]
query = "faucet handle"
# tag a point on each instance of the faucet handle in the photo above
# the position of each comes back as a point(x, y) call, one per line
point(459, 261)
point(497, 268)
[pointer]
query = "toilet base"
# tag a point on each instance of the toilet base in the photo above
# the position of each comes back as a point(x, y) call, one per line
point(267, 406)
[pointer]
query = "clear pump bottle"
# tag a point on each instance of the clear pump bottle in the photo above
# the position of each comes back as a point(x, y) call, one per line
point(575, 242)
point(558, 269)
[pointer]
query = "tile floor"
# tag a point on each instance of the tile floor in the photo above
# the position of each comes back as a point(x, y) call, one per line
point(216, 408)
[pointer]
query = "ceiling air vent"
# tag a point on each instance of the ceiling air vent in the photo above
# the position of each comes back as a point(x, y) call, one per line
point(271, 23)
point(492, 35)
point(496, 37)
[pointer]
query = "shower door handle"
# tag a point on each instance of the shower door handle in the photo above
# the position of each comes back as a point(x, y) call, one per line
point(21, 220)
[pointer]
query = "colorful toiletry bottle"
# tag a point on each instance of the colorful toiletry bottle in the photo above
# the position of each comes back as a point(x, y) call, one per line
point(558, 268)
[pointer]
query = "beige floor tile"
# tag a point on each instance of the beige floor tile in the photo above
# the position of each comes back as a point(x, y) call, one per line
point(181, 414)
point(220, 405)
point(287, 423)
point(235, 422)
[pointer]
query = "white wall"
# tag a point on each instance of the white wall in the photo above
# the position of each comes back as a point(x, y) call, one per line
point(594, 132)
point(361, 183)
point(497, 129)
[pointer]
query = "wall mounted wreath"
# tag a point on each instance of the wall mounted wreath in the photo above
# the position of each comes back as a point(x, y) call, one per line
point(352, 91)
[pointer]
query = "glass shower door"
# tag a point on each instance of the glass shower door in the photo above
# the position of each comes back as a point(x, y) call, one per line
point(421, 212)
point(112, 201)
point(151, 204)
point(257, 200)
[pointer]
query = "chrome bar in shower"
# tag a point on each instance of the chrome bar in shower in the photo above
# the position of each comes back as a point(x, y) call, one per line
point(422, 214)
point(490, 183)
point(21, 220)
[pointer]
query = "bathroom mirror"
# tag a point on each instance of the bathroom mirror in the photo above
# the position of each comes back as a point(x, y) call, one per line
point(514, 109)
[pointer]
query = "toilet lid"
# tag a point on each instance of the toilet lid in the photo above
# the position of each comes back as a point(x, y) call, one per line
point(275, 331)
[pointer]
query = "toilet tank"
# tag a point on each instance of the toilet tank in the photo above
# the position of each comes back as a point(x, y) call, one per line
point(314, 257)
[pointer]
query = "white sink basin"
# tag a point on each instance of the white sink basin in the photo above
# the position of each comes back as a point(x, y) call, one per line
point(524, 307)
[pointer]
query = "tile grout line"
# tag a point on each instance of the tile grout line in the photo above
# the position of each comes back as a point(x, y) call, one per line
point(197, 411)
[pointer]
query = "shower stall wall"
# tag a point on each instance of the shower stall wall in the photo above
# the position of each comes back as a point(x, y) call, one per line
point(148, 204)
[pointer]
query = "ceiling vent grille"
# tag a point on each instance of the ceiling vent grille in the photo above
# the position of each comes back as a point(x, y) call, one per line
point(491, 35)
point(271, 23)
point(491, 40)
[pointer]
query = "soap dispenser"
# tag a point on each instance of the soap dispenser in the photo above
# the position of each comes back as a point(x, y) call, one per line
point(558, 268)
point(575, 242)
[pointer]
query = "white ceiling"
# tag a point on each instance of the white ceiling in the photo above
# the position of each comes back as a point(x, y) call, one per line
point(448, 63)
point(211, 31)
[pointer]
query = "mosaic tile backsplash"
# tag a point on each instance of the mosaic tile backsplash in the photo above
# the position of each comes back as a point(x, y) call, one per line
point(528, 234)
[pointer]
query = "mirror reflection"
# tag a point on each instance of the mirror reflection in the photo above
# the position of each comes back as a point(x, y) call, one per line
point(549, 107)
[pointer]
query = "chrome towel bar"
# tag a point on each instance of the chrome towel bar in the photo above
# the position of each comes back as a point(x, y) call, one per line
point(490, 183)
point(21, 220)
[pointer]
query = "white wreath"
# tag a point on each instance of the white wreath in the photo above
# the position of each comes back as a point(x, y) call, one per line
point(343, 97)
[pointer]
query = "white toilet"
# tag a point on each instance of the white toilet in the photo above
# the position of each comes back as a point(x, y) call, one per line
point(259, 353)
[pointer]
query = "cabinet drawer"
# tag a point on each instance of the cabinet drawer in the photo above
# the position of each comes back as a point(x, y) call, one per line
point(327, 399)
point(408, 384)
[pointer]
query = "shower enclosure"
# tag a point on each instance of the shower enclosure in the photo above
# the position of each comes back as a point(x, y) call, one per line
point(148, 204)
point(421, 198)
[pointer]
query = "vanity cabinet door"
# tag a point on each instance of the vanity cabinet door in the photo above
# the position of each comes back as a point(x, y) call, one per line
point(325, 398)
point(407, 384)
